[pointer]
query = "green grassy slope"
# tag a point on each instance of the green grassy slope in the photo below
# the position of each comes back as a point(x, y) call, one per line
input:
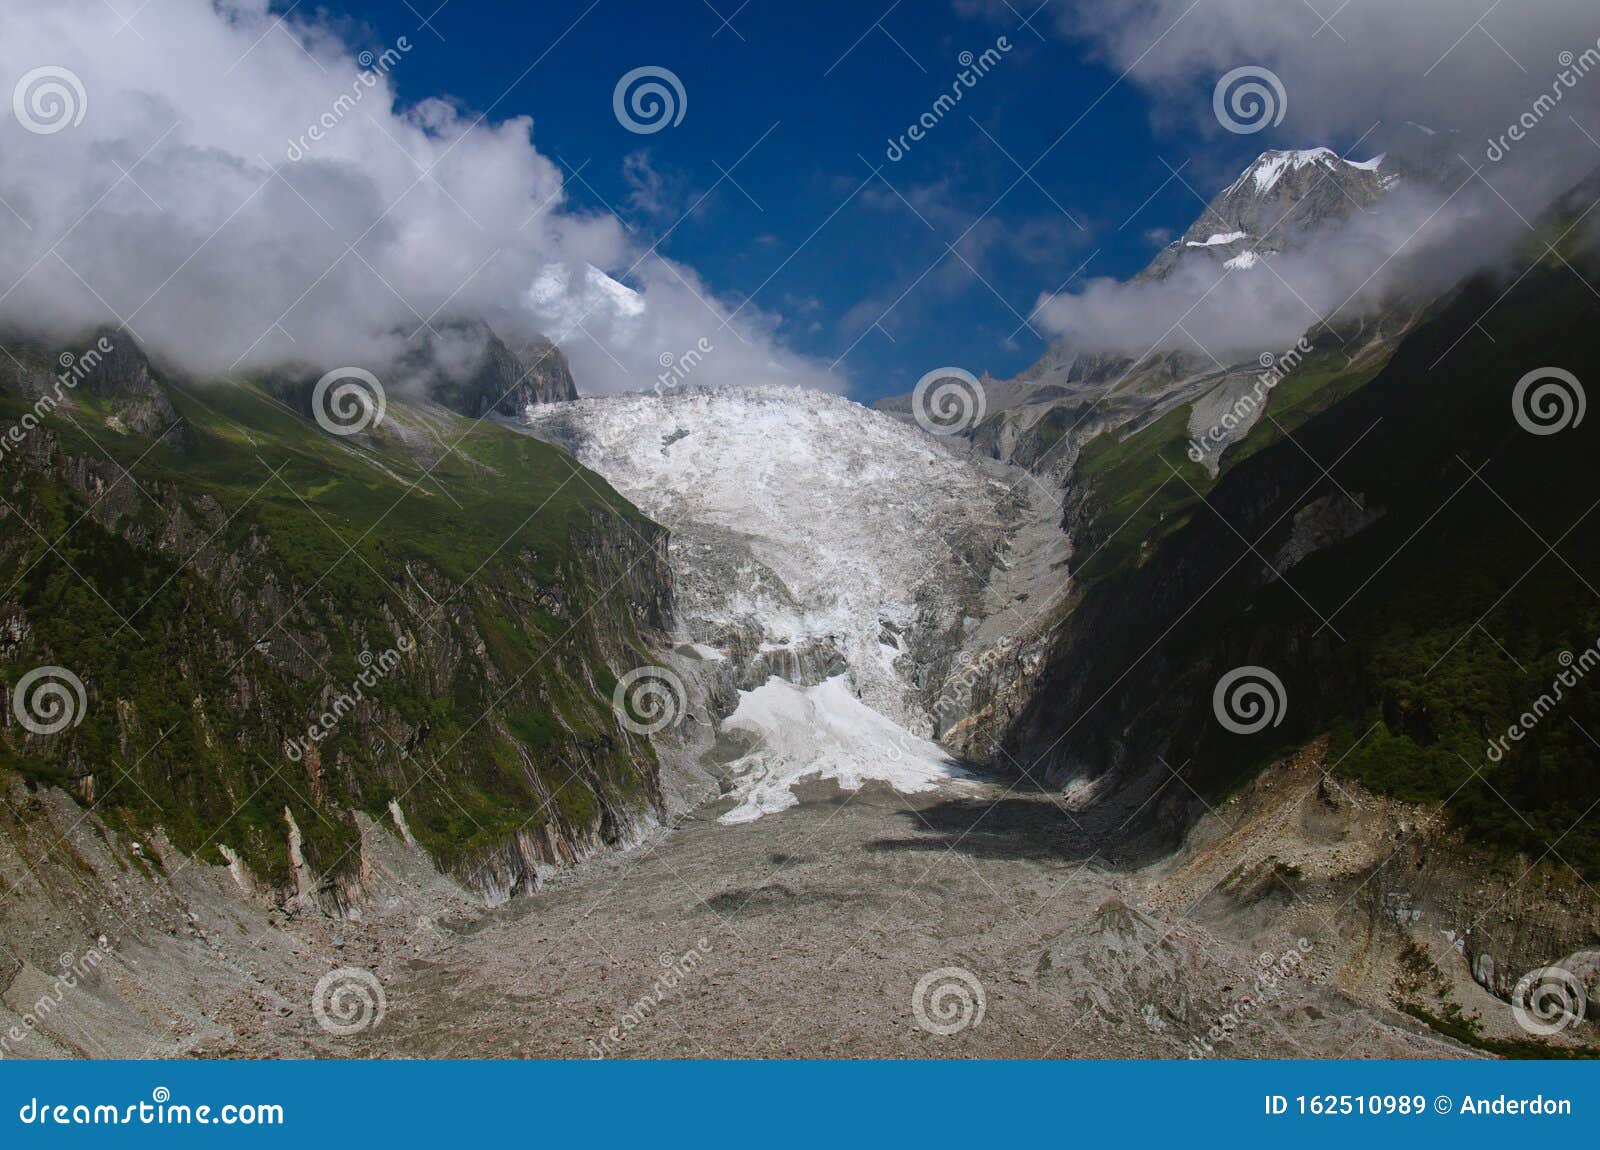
point(1450, 616)
point(247, 568)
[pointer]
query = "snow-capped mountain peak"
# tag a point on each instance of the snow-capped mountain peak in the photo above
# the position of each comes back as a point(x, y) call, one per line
point(1269, 167)
point(1282, 197)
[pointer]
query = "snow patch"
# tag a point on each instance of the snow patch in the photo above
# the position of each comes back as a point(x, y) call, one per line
point(1218, 239)
point(824, 732)
point(1244, 261)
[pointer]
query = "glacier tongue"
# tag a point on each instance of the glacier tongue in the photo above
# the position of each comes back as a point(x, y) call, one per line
point(816, 540)
point(823, 732)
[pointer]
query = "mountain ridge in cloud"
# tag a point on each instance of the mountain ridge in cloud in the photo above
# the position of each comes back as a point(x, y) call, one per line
point(176, 207)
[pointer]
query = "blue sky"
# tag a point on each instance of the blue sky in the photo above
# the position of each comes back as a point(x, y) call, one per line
point(809, 96)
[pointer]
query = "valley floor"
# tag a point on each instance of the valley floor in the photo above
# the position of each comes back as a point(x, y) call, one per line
point(805, 934)
point(1303, 919)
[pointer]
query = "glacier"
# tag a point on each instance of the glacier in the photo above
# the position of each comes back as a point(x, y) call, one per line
point(831, 562)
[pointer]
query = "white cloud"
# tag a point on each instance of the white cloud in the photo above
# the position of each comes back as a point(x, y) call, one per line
point(223, 253)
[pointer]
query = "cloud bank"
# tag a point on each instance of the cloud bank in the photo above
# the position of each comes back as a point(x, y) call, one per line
point(243, 191)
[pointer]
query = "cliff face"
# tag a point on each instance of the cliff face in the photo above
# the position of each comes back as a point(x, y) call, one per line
point(1404, 599)
point(260, 629)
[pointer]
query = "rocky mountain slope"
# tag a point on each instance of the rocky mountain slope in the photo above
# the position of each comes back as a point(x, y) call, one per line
point(1393, 544)
point(258, 621)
